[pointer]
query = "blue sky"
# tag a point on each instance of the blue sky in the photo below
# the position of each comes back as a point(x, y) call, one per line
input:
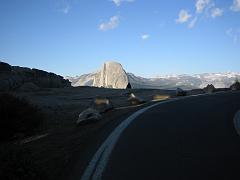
point(148, 37)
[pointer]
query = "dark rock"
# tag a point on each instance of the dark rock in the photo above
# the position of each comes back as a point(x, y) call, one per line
point(88, 116)
point(209, 89)
point(4, 67)
point(14, 77)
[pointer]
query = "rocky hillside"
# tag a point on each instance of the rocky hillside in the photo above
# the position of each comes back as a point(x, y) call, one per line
point(101, 79)
point(22, 78)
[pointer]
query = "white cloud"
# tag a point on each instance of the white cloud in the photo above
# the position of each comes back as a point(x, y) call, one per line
point(66, 9)
point(234, 34)
point(201, 5)
point(119, 2)
point(145, 36)
point(192, 23)
point(203, 9)
point(183, 16)
point(216, 12)
point(235, 6)
point(111, 24)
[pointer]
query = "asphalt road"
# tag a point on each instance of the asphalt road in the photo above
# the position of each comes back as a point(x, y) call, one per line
point(193, 138)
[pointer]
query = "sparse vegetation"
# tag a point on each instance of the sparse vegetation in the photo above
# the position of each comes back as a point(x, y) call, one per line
point(160, 97)
point(18, 117)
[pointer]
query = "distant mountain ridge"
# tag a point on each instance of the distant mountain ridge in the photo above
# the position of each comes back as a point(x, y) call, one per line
point(219, 80)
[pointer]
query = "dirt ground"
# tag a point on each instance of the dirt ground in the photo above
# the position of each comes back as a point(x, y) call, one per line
point(63, 105)
point(55, 149)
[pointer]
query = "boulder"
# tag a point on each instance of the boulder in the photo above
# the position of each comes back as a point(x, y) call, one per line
point(134, 100)
point(180, 92)
point(88, 116)
point(101, 104)
point(209, 89)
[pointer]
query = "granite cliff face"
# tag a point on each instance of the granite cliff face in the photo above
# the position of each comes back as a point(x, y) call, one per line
point(14, 78)
point(112, 75)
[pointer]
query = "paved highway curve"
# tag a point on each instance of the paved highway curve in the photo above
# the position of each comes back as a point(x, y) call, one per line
point(192, 138)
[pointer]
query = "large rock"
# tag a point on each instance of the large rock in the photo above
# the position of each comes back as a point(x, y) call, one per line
point(101, 104)
point(88, 116)
point(14, 77)
point(135, 100)
point(112, 75)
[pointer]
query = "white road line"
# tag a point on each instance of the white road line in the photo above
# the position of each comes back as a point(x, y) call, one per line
point(100, 159)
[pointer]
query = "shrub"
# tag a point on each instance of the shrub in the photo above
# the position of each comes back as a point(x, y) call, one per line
point(18, 116)
point(180, 92)
point(235, 86)
point(209, 89)
point(129, 86)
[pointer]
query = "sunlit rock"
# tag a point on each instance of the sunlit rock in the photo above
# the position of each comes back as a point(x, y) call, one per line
point(102, 104)
point(112, 75)
point(134, 100)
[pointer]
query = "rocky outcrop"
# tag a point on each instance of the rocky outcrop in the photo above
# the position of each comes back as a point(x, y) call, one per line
point(112, 75)
point(14, 77)
point(209, 88)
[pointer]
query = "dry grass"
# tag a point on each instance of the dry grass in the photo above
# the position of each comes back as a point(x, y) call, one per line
point(160, 97)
